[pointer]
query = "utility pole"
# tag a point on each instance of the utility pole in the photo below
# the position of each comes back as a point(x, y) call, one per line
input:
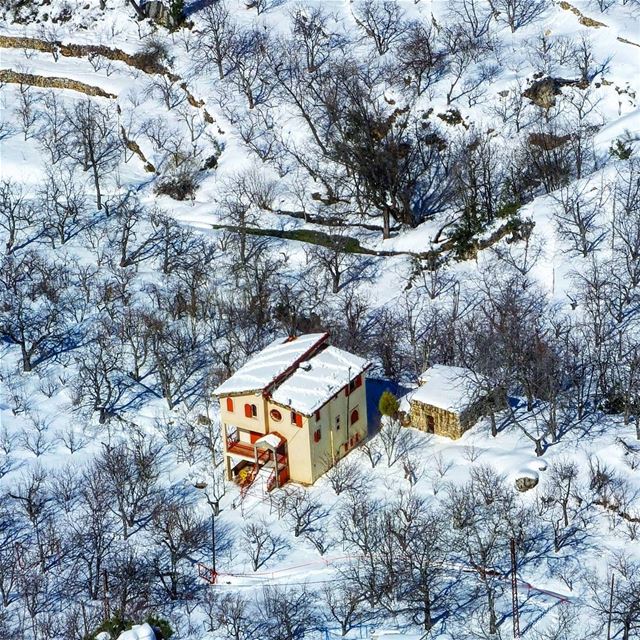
point(514, 592)
point(348, 398)
point(610, 607)
point(213, 544)
point(214, 508)
point(107, 608)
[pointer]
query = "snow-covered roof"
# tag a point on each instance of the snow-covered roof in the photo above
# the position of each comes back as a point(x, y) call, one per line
point(318, 379)
point(448, 388)
point(272, 439)
point(269, 364)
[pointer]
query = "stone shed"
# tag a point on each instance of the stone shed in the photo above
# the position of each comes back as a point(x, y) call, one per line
point(447, 402)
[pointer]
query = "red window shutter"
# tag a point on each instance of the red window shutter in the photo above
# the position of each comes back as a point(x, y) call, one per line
point(230, 405)
point(247, 411)
point(354, 416)
point(346, 390)
point(358, 381)
point(317, 415)
point(298, 419)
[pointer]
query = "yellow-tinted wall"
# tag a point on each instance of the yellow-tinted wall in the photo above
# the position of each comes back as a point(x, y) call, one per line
point(237, 418)
point(308, 459)
point(298, 442)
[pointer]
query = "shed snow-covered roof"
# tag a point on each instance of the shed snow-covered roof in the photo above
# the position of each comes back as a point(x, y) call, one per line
point(318, 379)
point(268, 365)
point(448, 388)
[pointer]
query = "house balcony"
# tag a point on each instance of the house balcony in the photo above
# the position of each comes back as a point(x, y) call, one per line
point(243, 450)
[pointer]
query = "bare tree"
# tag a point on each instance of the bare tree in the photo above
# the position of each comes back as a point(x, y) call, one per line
point(334, 259)
point(615, 597)
point(485, 515)
point(345, 475)
point(18, 217)
point(302, 511)
point(35, 298)
point(26, 109)
point(396, 440)
point(180, 533)
point(131, 472)
point(288, 612)
point(518, 13)
point(65, 205)
point(214, 46)
point(312, 30)
point(420, 57)
point(101, 384)
point(250, 69)
point(263, 544)
point(233, 613)
point(561, 503)
point(93, 141)
point(344, 604)
point(475, 14)
point(578, 217)
point(383, 22)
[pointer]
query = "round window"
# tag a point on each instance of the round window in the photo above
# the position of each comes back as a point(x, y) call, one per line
point(275, 415)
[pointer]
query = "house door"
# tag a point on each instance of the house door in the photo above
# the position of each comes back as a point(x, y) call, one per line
point(431, 424)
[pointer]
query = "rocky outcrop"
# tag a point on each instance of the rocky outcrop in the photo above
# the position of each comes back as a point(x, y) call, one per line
point(160, 13)
point(55, 47)
point(134, 147)
point(543, 92)
point(52, 82)
point(548, 141)
point(582, 19)
point(526, 483)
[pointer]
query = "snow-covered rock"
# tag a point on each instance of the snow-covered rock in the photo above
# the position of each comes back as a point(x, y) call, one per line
point(138, 632)
point(526, 481)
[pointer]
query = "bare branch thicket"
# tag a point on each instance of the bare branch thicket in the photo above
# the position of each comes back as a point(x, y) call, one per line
point(382, 22)
point(518, 13)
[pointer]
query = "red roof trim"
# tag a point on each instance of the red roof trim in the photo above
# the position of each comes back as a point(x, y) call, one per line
point(314, 348)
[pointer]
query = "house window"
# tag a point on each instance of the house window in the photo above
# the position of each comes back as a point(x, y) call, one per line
point(230, 405)
point(317, 415)
point(353, 385)
point(250, 410)
point(296, 418)
point(276, 416)
point(337, 423)
point(317, 435)
point(355, 416)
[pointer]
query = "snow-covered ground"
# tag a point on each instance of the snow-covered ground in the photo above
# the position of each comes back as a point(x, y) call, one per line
point(46, 432)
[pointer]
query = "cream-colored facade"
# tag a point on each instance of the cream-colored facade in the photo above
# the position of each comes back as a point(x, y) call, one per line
point(311, 444)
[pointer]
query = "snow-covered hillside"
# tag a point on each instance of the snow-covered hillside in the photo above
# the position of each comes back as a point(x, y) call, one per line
point(448, 182)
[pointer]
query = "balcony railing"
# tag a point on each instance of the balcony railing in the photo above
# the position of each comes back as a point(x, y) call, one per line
point(243, 449)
